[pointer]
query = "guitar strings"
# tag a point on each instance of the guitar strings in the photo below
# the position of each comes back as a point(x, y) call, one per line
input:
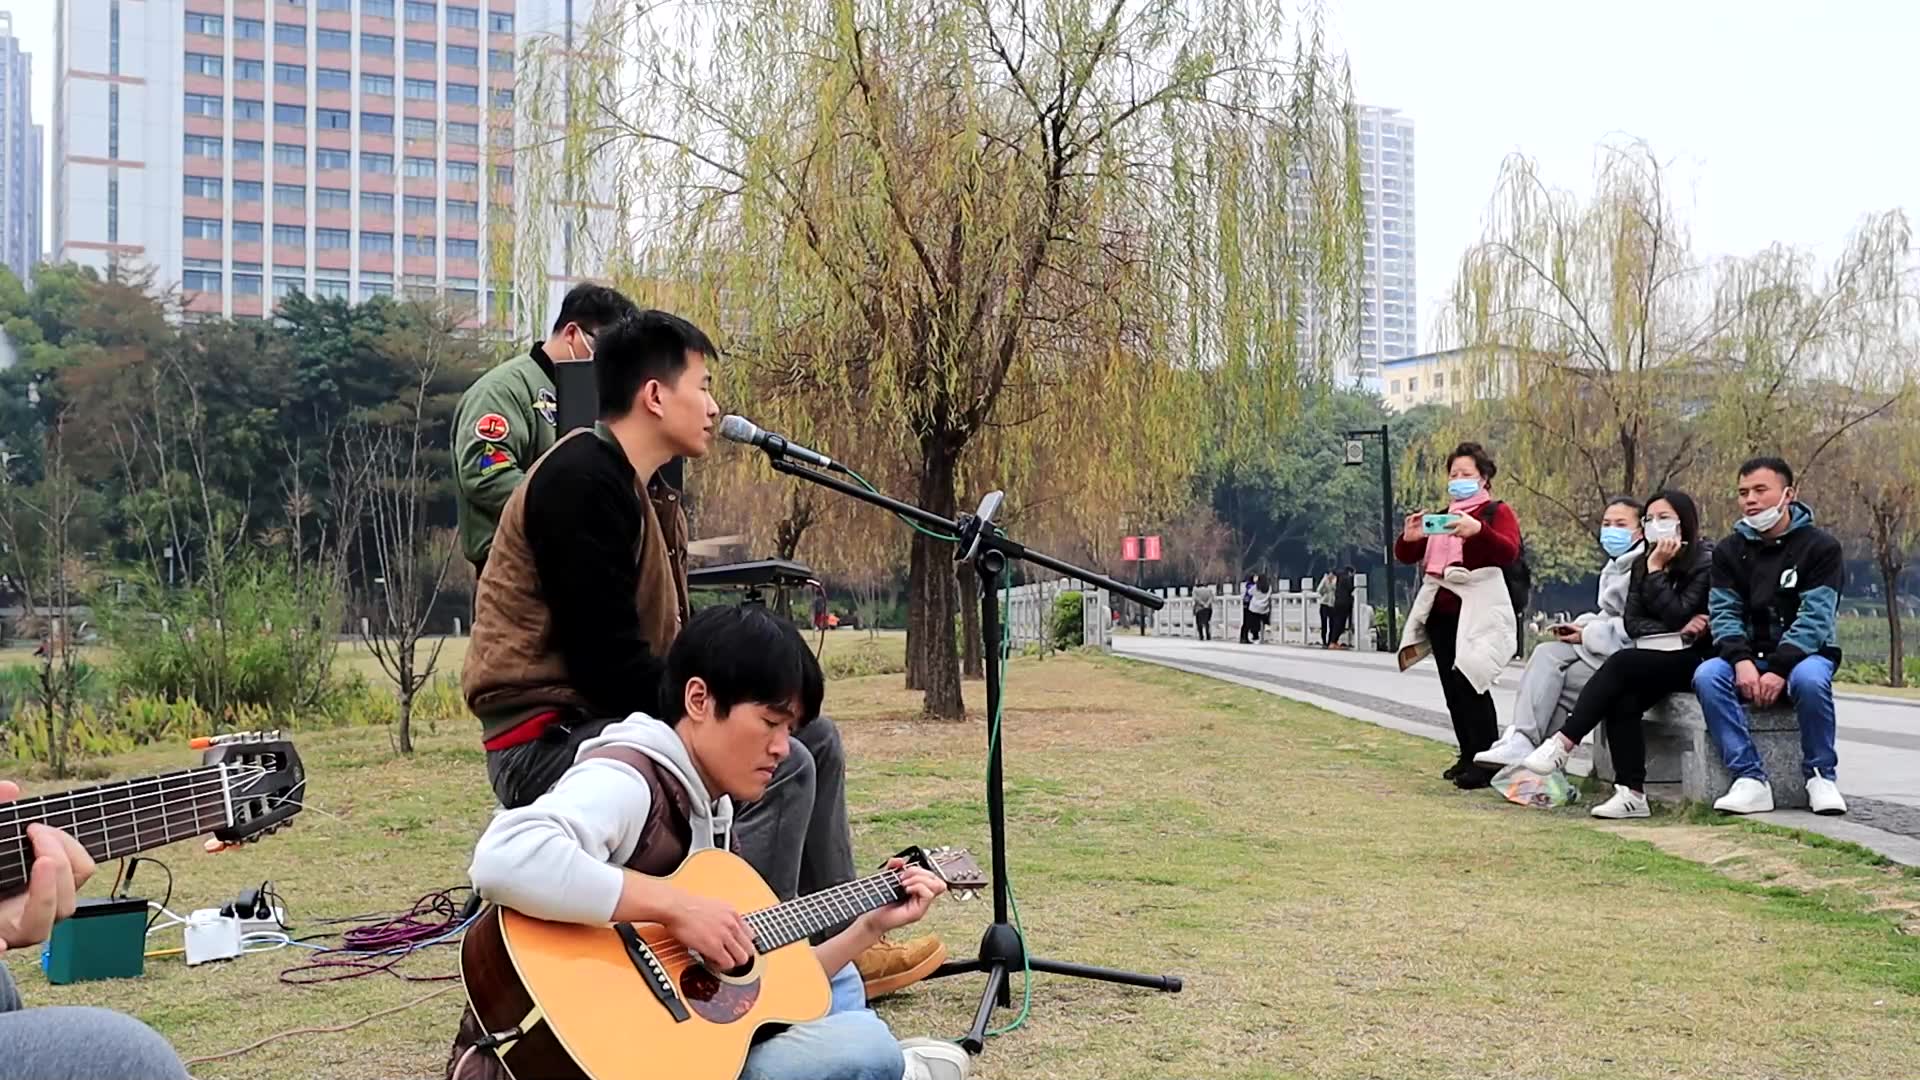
point(181, 800)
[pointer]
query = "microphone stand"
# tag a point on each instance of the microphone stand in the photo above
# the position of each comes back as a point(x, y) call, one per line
point(1002, 948)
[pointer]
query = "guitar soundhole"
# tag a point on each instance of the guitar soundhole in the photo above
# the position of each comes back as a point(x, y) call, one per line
point(715, 1000)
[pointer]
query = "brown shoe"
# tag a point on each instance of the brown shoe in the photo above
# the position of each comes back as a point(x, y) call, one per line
point(894, 965)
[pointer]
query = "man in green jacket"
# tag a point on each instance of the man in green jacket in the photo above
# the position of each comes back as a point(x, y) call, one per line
point(510, 415)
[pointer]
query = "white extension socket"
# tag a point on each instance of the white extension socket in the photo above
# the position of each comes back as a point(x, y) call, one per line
point(247, 926)
point(211, 936)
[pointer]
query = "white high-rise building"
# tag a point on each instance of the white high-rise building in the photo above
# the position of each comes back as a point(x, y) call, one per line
point(241, 150)
point(1389, 312)
point(20, 157)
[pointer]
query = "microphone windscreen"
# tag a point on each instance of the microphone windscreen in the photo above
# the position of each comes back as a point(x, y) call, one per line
point(738, 428)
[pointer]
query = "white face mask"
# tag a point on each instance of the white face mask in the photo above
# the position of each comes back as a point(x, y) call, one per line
point(589, 340)
point(1768, 518)
point(1659, 529)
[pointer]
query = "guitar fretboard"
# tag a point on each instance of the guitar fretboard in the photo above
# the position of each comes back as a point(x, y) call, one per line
point(115, 820)
point(800, 918)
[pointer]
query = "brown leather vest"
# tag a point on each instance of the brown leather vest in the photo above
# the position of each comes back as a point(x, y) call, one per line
point(513, 669)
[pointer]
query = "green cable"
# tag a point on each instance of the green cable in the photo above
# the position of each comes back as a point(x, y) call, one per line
point(914, 525)
point(993, 746)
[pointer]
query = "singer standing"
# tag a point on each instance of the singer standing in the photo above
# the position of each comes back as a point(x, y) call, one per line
point(509, 416)
point(571, 629)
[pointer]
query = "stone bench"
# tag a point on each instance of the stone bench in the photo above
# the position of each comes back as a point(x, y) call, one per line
point(1684, 763)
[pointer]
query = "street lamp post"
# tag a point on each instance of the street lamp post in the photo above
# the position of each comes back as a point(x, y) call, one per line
point(1356, 455)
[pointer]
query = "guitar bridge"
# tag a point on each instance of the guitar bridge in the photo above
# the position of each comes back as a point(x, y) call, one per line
point(651, 972)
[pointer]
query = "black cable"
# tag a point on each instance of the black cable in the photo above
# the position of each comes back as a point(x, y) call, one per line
point(134, 862)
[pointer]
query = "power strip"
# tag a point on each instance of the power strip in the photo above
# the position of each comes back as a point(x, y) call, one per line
point(247, 926)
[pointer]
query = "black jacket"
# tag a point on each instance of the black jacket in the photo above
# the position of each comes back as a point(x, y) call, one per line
point(1664, 601)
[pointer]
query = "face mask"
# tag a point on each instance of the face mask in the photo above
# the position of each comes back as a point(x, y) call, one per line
point(1616, 540)
point(589, 356)
point(1462, 489)
point(1659, 529)
point(1768, 518)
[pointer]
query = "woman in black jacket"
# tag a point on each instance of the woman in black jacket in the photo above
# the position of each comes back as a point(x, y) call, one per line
point(1666, 616)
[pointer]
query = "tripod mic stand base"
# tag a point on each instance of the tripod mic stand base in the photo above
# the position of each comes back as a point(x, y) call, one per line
point(1002, 952)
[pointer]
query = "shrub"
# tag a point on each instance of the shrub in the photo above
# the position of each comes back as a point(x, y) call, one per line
point(1068, 615)
point(862, 659)
point(265, 637)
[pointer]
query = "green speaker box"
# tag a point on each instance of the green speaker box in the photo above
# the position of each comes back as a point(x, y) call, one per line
point(104, 939)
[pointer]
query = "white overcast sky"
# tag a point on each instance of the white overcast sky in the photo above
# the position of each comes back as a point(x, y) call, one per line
point(1785, 121)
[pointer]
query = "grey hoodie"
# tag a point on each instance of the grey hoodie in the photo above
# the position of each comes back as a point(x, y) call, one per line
point(560, 858)
point(1604, 632)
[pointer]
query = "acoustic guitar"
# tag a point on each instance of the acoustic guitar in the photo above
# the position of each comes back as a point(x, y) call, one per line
point(566, 1001)
point(247, 786)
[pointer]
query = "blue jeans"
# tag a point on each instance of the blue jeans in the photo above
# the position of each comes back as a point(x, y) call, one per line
point(850, 1043)
point(1809, 687)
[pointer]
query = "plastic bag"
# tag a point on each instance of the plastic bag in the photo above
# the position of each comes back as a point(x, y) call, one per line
point(1518, 784)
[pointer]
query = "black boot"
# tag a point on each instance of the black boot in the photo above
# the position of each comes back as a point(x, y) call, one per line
point(1455, 769)
point(1473, 776)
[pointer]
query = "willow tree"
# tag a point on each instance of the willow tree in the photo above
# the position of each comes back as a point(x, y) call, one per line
point(1608, 358)
point(1868, 490)
point(968, 231)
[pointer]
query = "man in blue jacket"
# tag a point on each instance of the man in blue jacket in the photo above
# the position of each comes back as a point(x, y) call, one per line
point(1772, 609)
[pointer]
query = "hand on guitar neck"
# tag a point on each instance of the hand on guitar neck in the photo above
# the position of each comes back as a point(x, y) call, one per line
point(59, 867)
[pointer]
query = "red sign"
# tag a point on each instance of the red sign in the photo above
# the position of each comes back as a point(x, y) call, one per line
point(1129, 549)
point(1153, 549)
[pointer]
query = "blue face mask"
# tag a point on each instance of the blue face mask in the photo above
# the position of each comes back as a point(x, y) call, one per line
point(1616, 541)
point(1462, 489)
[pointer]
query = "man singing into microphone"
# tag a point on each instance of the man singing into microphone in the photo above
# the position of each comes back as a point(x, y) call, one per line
point(584, 589)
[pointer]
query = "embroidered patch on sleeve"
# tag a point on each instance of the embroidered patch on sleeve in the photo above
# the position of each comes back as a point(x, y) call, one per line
point(491, 427)
point(547, 406)
point(492, 459)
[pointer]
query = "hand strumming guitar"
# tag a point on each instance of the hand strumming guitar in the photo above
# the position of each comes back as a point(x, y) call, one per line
point(711, 928)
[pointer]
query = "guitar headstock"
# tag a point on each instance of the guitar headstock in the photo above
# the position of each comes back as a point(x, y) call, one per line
point(953, 865)
point(268, 782)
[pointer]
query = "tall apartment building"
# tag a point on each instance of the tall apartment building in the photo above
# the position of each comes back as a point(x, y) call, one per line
point(245, 149)
point(1389, 312)
point(20, 156)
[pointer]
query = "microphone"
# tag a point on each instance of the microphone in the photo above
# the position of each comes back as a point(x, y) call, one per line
point(742, 430)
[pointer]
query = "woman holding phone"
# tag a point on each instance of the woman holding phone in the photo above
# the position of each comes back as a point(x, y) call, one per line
point(1667, 617)
point(1476, 534)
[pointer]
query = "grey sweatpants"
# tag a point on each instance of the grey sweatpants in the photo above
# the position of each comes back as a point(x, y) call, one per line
point(65, 1043)
point(1549, 687)
point(796, 835)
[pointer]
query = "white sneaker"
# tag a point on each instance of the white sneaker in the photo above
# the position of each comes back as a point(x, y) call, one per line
point(1626, 803)
point(1823, 796)
point(1747, 796)
point(1512, 748)
point(934, 1059)
point(1548, 756)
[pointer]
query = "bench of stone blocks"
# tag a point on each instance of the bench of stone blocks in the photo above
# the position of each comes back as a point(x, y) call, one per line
point(1684, 763)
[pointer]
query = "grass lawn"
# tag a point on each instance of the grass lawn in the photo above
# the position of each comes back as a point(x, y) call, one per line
point(1336, 909)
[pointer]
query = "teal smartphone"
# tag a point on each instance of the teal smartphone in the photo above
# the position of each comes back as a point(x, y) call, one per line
point(1435, 524)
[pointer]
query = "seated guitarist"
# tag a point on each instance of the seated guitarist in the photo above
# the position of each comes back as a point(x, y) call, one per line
point(584, 588)
point(644, 793)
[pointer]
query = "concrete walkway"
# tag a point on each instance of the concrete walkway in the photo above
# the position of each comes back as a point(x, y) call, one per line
point(1879, 737)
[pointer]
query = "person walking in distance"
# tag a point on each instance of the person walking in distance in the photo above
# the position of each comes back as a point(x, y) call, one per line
point(1463, 613)
point(1341, 618)
point(1325, 594)
point(1259, 607)
point(1203, 612)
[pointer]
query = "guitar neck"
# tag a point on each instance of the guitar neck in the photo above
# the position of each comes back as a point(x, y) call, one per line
point(113, 821)
point(805, 916)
